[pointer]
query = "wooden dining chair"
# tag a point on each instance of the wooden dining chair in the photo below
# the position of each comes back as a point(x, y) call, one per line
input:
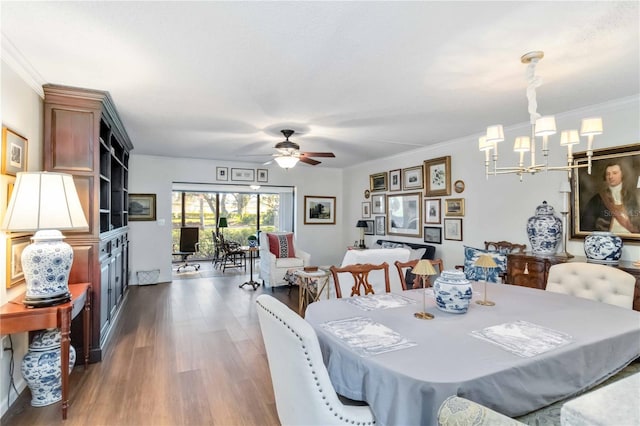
point(407, 277)
point(360, 273)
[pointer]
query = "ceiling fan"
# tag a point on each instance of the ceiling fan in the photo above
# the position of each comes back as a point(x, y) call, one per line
point(289, 153)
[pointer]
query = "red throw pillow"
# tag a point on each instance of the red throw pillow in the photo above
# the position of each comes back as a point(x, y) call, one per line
point(281, 245)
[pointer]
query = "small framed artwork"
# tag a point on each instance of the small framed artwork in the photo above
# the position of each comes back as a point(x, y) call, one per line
point(14, 152)
point(370, 229)
point(244, 175)
point(378, 204)
point(437, 174)
point(453, 229)
point(366, 209)
point(15, 246)
point(412, 178)
point(395, 180)
point(319, 210)
point(404, 214)
point(222, 173)
point(432, 210)
point(378, 182)
point(142, 207)
point(433, 234)
point(454, 207)
point(380, 223)
point(263, 175)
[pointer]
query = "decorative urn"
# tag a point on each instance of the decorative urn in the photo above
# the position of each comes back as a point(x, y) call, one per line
point(603, 247)
point(41, 367)
point(453, 292)
point(544, 230)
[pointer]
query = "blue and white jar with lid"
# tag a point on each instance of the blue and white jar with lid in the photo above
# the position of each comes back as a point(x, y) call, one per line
point(453, 292)
point(544, 230)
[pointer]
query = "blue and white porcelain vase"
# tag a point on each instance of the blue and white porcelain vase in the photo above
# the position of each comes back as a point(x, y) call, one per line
point(603, 247)
point(41, 367)
point(453, 292)
point(544, 230)
point(46, 264)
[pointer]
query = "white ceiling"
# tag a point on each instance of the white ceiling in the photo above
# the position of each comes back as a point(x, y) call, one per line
point(219, 80)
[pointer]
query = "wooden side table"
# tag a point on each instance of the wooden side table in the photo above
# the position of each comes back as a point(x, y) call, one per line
point(17, 318)
point(311, 284)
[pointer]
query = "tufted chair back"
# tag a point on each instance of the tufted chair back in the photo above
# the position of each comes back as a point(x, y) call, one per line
point(590, 281)
point(304, 394)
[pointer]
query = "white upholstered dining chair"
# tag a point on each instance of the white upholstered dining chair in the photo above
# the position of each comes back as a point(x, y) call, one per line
point(303, 391)
point(592, 281)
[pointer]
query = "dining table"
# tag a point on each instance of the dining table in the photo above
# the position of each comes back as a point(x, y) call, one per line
point(531, 349)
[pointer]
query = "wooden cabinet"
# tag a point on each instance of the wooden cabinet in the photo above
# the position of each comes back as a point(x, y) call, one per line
point(84, 136)
point(529, 270)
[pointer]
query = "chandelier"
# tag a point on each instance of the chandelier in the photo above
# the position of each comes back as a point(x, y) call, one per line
point(541, 126)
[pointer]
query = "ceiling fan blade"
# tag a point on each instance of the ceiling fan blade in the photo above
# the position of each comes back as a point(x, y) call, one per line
point(318, 154)
point(309, 161)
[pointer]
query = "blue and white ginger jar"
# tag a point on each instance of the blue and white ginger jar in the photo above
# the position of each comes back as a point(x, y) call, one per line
point(46, 264)
point(41, 367)
point(453, 292)
point(603, 247)
point(544, 230)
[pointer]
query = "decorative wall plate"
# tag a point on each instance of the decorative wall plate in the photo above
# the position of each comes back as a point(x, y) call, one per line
point(458, 186)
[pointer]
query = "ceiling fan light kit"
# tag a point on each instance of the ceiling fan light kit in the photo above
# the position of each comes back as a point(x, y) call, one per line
point(289, 153)
point(542, 126)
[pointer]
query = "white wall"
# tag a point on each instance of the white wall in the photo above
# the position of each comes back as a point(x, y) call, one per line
point(151, 241)
point(498, 208)
point(21, 110)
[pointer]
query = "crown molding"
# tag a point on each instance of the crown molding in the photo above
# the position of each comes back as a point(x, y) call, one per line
point(11, 56)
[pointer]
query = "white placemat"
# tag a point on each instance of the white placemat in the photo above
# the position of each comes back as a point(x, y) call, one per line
point(523, 338)
point(379, 301)
point(366, 336)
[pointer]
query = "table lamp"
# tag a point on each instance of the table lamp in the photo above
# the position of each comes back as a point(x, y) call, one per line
point(46, 203)
point(485, 262)
point(222, 223)
point(424, 268)
point(362, 224)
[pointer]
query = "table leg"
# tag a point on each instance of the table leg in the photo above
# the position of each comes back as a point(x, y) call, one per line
point(86, 325)
point(65, 331)
point(251, 282)
point(300, 295)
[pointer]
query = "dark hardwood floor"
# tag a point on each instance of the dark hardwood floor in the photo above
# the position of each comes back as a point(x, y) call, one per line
point(188, 352)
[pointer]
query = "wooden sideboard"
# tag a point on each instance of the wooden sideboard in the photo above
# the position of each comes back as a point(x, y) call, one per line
point(530, 270)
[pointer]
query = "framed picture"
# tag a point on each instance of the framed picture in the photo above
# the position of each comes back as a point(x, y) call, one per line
point(395, 180)
point(14, 152)
point(404, 214)
point(142, 207)
point(433, 234)
point(369, 230)
point(319, 210)
point(378, 204)
point(378, 182)
point(244, 175)
point(412, 178)
point(453, 229)
point(380, 224)
point(592, 207)
point(454, 207)
point(263, 175)
point(437, 174)
point(15, 246)
point(222, 173)
point(432, 210)
point(366, 209)
point(458, 186)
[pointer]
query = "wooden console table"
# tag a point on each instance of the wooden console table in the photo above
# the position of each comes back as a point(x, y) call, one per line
point(17, 318)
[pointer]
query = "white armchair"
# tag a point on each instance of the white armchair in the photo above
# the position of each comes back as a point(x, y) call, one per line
point(273, 268)
point(591, 281)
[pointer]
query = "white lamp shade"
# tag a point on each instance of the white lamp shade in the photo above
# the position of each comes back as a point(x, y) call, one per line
point(483, 145)
point(545, 126)
point(522, 144)
point(41, 201)
point(591, 126)
point(287, 161)
point(569, 137)
point(495, 133)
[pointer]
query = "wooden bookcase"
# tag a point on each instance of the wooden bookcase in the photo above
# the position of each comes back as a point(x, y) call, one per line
point(84, 136)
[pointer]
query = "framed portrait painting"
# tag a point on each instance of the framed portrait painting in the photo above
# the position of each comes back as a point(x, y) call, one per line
point(404, 214)
point(15, 246)
point(437, 174)
point(319, 210)
point(142, 207)
point(14, 152)
point(608, 199)
point(432, 210)
point(412, 178)
point(395, 180)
